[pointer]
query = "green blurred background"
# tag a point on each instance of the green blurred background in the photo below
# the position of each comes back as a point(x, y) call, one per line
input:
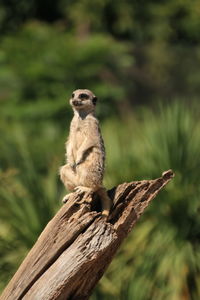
point(142, 60)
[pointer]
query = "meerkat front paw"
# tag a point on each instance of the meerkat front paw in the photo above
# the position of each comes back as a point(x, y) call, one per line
point(87, 197)
point(66, 198)
point(79, 161)
point(72, 165)
point(82, 189)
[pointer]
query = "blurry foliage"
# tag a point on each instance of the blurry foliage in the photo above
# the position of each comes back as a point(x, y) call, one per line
point(29, 187)
point(41, 66)
point(163, 39)
point(127, 52)
point(160, 259)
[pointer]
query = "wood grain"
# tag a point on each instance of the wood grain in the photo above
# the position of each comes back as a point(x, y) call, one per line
point(77, 245)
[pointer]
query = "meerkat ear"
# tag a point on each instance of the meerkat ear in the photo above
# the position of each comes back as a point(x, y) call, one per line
point(94, 100)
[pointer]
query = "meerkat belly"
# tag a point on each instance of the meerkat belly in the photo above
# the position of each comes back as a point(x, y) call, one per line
point(91, 170)
point(93, 163)
point(77, 142)
point(94, 158)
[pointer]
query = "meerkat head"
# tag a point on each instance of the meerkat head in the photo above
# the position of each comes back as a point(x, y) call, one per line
point(83, 100)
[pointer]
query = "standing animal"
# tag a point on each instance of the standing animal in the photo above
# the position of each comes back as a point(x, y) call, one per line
point(85, 151)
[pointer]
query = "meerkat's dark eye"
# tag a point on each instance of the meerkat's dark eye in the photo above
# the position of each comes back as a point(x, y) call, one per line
point(83, 96)
point(72, 95)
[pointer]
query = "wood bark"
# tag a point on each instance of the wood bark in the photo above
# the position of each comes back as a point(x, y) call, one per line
point(77, 245)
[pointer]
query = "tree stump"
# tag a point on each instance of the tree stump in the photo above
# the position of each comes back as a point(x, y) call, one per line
point(78, 244)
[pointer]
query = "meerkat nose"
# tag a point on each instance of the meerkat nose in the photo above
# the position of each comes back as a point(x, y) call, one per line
point(76, 102)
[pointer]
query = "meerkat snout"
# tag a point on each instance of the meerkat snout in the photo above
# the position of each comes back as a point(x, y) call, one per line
point(76, 103)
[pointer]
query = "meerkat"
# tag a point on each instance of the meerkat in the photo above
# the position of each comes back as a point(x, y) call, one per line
point(85, 151)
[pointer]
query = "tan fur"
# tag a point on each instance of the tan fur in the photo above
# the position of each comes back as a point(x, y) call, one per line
point(85, 152)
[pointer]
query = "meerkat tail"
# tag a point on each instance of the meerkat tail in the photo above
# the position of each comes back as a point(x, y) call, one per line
point(105, 201)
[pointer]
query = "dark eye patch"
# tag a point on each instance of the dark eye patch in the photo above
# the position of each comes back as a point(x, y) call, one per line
point(73, 95)
point(83, 96)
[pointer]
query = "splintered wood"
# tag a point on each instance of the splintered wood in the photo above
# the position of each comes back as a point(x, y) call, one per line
point(78, 244)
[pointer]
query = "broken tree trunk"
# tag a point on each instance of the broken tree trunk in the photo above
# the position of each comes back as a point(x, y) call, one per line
point(77, 245)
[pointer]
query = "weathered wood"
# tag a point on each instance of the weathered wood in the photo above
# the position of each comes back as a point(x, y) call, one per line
point(77, 245)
